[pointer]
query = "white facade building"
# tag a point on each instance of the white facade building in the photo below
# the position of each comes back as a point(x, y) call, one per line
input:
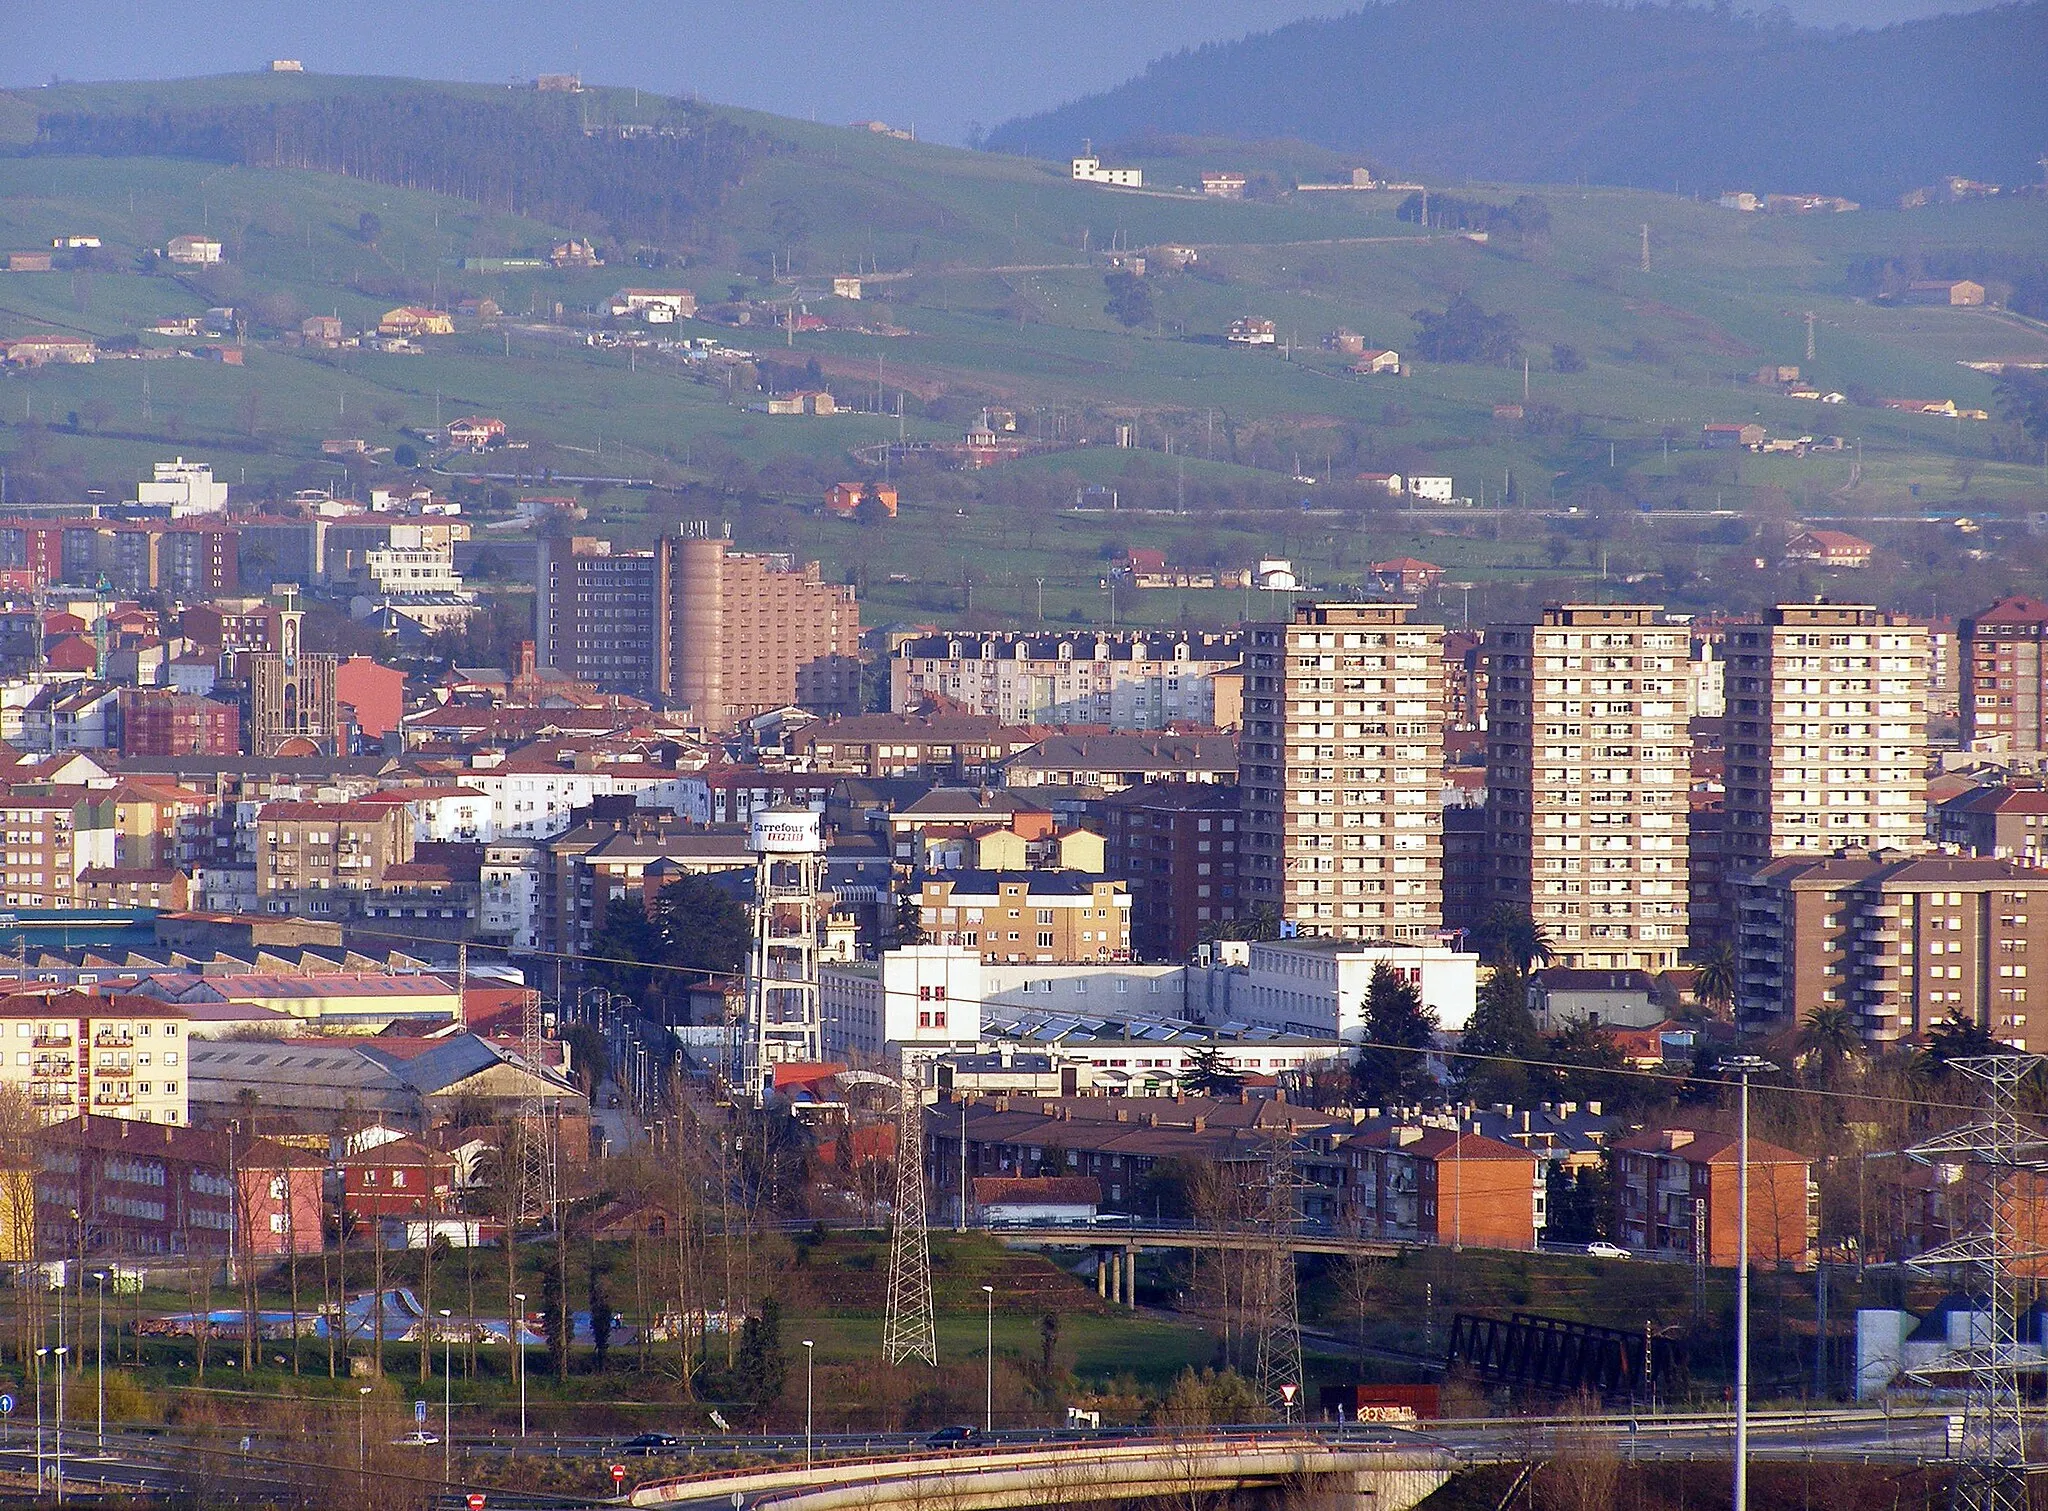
point(510, 881)
point(919, 1000)
point(1089, 170)
point(1435, 490)
point(1317, 987)
point(536, 804)
point(186, 488)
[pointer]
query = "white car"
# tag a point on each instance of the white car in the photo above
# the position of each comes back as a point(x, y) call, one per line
point(1600, 1248)
point(418, 1438)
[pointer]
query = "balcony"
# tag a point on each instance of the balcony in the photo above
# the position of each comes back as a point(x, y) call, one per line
point(113, 1039)
point(113, 1070)
point(52, 1041)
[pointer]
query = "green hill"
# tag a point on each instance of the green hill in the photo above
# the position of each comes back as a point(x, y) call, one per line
point(985, 282)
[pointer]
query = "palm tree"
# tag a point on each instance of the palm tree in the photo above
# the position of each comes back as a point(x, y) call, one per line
point(1830, 1033)
point(1718, 978)
point(1509, 936)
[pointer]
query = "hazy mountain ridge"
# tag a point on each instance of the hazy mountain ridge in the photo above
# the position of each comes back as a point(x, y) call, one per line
point(1555, 90)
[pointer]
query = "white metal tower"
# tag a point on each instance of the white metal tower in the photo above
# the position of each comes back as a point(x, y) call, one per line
point(783, 1020)
point(2005, 1151)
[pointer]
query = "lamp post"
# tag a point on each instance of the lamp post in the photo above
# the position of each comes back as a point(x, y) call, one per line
point(1742, 1067)
point(447, 1391)
point(519, 1355)
point(41, 1354)
point(988, 1385)
point(58, 1437)
point(810, 1354)
point(361, 1392)
point(99, 1352)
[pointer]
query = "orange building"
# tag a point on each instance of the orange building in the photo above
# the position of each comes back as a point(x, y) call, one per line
point(1677, 1187)
point(844, 499)
point(1442, 1185)
point(374, 691)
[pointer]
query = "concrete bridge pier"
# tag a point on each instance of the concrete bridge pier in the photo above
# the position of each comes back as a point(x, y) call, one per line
point(1397, 1487)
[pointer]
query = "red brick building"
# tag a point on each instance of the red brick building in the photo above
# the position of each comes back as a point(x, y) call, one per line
point(374, 691)
point(156, 722)
point(1175, 846)
point(396, 1179)
point(1442, 1185)
point(148, 1188)
point(1675, 1186)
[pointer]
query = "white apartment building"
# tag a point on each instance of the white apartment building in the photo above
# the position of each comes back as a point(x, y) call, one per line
point(1338, 767)
point(915, 1001)
point(510, 881)
point(1130, 680)
point(1589, 769)
point(1088, 169)
point(411, 564)
point(1827, 734)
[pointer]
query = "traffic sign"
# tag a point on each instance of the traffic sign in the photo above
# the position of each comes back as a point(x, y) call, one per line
point(476, 1500)
point(6, 1405)
point(419, 1413)
point(618, 1474)
point(1287, 1393)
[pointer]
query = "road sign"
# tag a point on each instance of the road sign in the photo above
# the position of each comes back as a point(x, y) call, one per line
point(618, 1475)
point(6, 1405)
point(419, 1413)
point(1287, 1393)
point(476, 1500)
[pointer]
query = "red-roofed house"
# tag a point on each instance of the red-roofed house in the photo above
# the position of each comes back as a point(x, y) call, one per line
point(1673, 1183)
point(1829, 548)
point(1443, 1185)
point(1405, 574)
point(395, 1179)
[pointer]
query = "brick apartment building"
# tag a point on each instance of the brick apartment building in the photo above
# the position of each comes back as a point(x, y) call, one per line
point(157, 722)
point(1677, 1187)
point(1903, 942)
point(2002, 822)
point(314, 860)
point(1446, 1185)
point(947, 746)
point(395, 1179)
point(138, 1189)
point(1589, 764)
point(695, 624)
point(2004, 694)
point(1339, 760)
point(1174, 844)
point(1042, 917)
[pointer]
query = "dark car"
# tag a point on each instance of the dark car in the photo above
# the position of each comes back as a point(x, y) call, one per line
point(648, 1444)
point(952, 1437)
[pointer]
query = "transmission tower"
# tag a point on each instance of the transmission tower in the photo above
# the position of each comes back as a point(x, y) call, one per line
point(1276, 1369)
point(1991, 1473)
point(1809, 336)
point(910, 1332)
point(536, 1155)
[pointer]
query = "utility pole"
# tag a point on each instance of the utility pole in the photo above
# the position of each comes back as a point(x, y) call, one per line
point(1742, 1067)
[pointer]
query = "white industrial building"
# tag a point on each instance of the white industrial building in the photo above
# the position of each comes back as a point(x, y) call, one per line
point(1317, 987)
point(185, 488)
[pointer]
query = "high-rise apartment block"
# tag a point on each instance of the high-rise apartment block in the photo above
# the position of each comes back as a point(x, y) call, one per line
point(694, 623)
point(1903, 942)
point(1589, 765)
point(1827, 733)
point(1338, 764)
point(2005, 678)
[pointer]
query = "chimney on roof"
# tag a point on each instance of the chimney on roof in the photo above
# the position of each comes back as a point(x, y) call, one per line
point(1677, 1138)
point(1593, 1108)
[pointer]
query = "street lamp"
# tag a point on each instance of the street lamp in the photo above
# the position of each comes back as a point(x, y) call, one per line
point(99, 1351)
point(41, 1354)
point(1742, 1067)
point(519, 1358)
point(810, 1354)
point(447, 1391)
point(60, 1352)
point(988, 1389)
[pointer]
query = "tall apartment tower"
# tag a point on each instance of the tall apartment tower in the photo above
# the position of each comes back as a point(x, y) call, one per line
point(1589, 765)
point(1827, 734)
point(598, 615)
point(2005, 678)
point(1339, 769)
point(747, 633)
point(694, 623)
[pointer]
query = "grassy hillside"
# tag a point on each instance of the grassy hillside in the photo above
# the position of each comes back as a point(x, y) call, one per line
point(992, 267)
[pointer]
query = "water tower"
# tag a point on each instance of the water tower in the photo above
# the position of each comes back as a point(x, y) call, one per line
point(783, 1023)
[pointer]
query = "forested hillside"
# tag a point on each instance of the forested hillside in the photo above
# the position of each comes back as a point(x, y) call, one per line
point(1559, 90)
point(528, 154)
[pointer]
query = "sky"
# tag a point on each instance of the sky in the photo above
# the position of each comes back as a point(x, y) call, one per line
point(940, 65)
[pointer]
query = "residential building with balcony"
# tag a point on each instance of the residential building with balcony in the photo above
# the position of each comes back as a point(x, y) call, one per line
point(116, 1056)
point(1676, 1194)
point(1120, 680)
point(1418, 1184)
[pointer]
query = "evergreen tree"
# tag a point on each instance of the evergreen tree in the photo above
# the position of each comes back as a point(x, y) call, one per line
point(1503, 1029)
point(554, 1317)
point(1399, 1031)
point(1208, 1075)
point(601, 1315)
point(758, 1374)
